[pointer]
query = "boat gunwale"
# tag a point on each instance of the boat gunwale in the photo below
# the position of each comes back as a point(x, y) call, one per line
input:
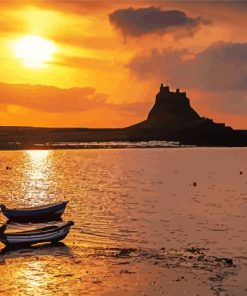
point(36, 208)
point(40, 231)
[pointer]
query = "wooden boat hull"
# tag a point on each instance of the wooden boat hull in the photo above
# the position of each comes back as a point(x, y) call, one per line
point(38, 214)
point(53, 234)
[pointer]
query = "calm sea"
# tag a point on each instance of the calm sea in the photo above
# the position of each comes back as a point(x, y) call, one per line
point(145, 199)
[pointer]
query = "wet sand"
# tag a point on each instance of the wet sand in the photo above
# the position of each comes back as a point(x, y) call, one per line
point(61, 270)
point(147, 222)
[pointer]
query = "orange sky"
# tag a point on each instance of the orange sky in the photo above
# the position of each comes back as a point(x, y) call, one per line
point(106, 64)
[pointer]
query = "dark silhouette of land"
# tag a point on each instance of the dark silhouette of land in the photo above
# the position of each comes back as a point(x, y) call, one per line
point(170, 119)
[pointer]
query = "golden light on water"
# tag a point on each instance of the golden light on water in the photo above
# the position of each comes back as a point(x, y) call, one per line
point(37, 156)
point(37, 175)
point(32, 275)
point(34, 51)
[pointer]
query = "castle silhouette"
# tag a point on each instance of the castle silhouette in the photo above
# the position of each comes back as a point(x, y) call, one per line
point(171, 119)
point(172, 110)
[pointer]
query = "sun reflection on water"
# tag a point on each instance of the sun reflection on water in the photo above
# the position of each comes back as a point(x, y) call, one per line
point(32, 277)
point(38, 167)
point(38, 155)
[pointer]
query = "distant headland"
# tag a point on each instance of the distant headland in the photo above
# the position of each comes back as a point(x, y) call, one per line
point(171, 119)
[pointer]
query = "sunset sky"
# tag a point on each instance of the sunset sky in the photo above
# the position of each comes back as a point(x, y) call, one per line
point(100, 63)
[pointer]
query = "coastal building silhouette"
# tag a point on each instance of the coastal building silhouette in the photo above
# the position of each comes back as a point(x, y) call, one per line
point(171, 119)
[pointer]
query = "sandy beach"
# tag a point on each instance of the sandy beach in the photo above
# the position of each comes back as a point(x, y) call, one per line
point(147, 221)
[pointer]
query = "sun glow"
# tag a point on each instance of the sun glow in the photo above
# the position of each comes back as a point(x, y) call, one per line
point(34, 51)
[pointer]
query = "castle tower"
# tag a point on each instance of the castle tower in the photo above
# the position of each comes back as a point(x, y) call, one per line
point(164, 88)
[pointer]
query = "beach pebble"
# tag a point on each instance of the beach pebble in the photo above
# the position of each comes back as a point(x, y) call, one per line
point(228, 261)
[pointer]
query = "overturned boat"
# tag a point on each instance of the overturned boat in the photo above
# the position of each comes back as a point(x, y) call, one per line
point(48, 212)
point(52, 233)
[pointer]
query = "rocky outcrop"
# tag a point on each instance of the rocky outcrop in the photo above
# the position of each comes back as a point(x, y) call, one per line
point(170, 119)
point(173, 119)
point(171, 110)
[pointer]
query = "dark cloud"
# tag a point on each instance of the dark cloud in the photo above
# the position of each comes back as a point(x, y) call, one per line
point(220, 67)
point(219, 73)
point(226, 102)
point(142, 21)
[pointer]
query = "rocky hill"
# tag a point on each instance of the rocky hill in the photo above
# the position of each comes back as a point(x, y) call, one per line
point(170, 110)
point(170, 119)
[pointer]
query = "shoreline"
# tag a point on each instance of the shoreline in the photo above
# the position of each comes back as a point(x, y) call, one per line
point(111, 147)
point(172, 270)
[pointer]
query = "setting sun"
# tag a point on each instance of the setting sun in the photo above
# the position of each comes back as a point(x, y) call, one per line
point(34, 51)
